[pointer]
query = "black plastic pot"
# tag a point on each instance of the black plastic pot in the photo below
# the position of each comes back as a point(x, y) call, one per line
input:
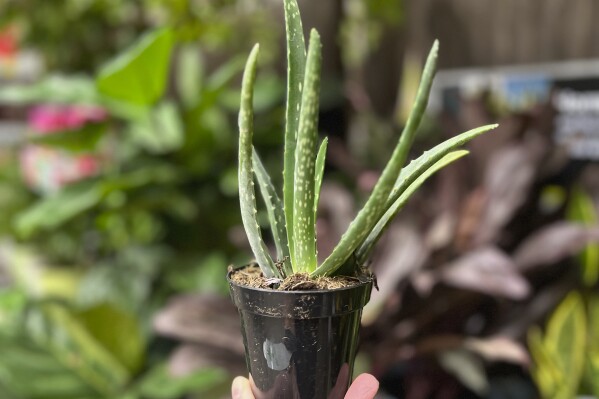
point(300, 344)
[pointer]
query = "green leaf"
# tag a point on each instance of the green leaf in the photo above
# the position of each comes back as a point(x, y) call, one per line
point(53, 211)
point(545, 371)
point(117, 331)
point(566, 339)
point(276, 214)
point(29, 371)
point(12, 304)
point(223, 75)
point(55, 357)
point(84, 139)
point(247, 194)
point(582, 209)
point(320, 158)
point(125, 280)
point(304, 238)
point(159, 384)
point(217, 96)
point(189, 74)
point(429, 158)
point(6, 393)
point(365, 249)
point(377, 202)
point(53, 89)
point(140, 74)
point(411, 173)
point(594, 323)
point(592, 373)
point(296, 65)
point(160, 131)
point(146, 172)
point(199, 273)
point(58, 282)
point(593, 340)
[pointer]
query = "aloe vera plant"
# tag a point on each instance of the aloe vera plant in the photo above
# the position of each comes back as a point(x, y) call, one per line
point(292, 219)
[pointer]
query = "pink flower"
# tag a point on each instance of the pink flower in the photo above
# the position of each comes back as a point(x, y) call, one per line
point(46, 119)
point(46, 169)
point(87, 165)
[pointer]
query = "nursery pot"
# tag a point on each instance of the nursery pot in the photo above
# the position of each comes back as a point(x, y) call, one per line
point(300, 344)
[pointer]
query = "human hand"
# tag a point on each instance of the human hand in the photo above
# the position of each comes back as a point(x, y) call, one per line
point(365, 386)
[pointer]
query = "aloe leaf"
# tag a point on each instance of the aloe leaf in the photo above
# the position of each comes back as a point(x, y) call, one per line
point(247, 195)
point(320, 157)
point(296, 64)
point(365, 249)
point(376, 204)
point(305, 162)
point(276, 215)
point(430, 157)
point(412, 176)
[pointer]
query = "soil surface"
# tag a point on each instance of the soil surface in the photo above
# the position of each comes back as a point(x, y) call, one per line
point(252, 276)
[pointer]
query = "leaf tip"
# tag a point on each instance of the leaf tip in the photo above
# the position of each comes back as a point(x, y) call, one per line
point(314, 35)
point(488, 128)
point(435, 49)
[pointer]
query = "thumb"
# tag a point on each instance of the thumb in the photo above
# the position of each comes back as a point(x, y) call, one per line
point(364, 387)
point(240, 389)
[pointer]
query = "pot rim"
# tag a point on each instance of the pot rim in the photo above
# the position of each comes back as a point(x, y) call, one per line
point(352, 287)
point(304, 304)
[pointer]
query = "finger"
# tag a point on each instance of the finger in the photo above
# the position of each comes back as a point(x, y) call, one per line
point(240, 389)
point(365, 386)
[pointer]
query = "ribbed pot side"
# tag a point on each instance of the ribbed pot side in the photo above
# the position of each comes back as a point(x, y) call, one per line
point(300, 344)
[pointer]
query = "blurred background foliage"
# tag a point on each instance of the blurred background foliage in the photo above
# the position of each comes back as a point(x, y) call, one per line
point(119, 209)
point(90, 259)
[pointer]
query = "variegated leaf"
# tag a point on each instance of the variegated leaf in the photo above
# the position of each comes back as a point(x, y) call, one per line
point(365, 249)
point(296, 64)
point(376, 204)
point(247, 195)
point(320, 158)
point(276, 214)
point(305, 162)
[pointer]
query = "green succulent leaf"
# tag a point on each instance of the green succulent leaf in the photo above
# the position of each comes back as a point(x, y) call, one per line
point(276, 214)
point(296, 64)
point(320, 158)
point(247, 195)
point(365, 249)
point(427, 164)
point(305, 162)
point(377, 202)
